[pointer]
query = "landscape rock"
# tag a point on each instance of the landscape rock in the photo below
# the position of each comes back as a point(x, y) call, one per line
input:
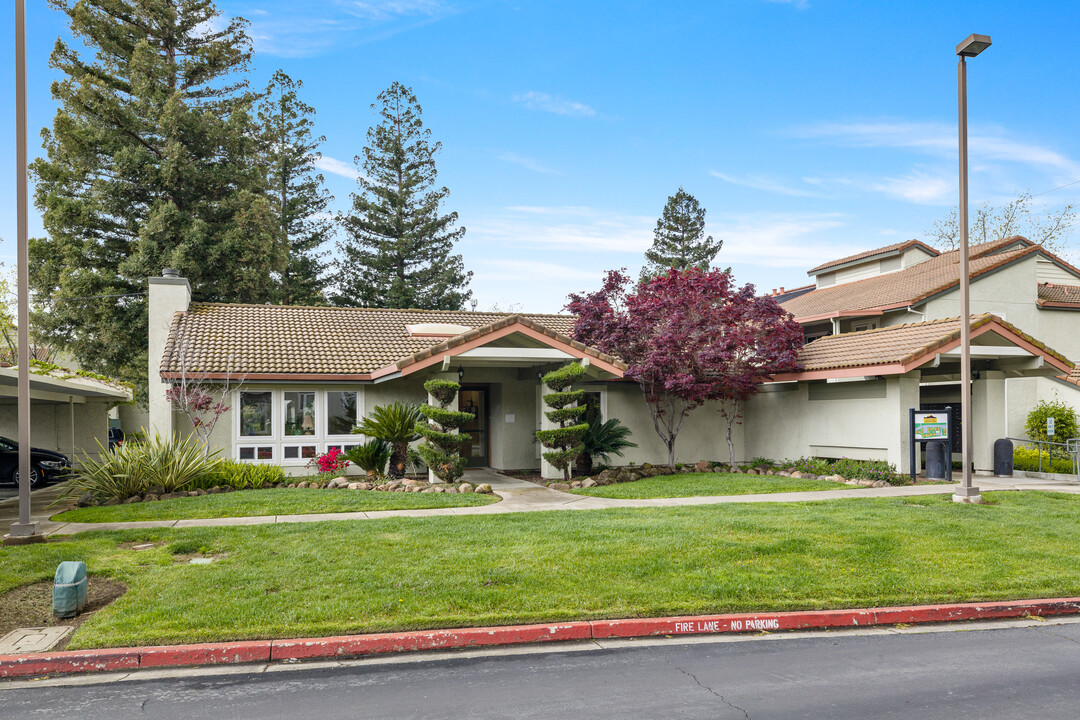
point(588, 483)
point(155, 490)
point(559, 486)
point(86, 500)
point(414, 488)
point(633, 477)
point(465, 487)
point(361, 486)
point(150, 497)
point(353, 486)
point(413, 483)
point(484, 488)
point(575, 485)
point(880, 484)
point(200, 491)
point(796, 474)
point(440, 489)
point(173, 495)
point(302, 484)
point(703, 466)
point(133, 499)
point(111, 501)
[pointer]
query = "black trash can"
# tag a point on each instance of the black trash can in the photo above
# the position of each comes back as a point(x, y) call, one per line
point(935, 460)
point(1003, 458)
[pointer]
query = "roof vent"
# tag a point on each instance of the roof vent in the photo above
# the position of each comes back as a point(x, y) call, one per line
point(170, 273)
point(443, 330)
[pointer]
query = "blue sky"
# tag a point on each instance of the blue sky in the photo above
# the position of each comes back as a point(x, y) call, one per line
point(809, 129)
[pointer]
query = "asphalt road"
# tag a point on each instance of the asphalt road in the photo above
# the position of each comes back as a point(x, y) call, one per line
point(1011, 673)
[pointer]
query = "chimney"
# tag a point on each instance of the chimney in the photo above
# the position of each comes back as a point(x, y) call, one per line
point(166, 296)
point(774, 292)
point(781, 289)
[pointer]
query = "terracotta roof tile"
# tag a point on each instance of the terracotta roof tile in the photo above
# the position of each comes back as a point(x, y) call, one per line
point(1055, 293)
point(906, 286)
point(316, 340)
point(897, 344)
point(871, 253)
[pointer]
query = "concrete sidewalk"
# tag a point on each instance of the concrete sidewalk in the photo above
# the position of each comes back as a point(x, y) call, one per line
point(520, 496)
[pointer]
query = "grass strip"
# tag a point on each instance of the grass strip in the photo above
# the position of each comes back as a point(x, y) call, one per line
point(706, 484)
point(331, 578)
point(277, 501)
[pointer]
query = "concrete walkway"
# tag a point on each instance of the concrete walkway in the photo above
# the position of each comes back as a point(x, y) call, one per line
point(519, 496)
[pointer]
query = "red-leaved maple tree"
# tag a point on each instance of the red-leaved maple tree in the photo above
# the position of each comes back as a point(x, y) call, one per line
point(688, 337)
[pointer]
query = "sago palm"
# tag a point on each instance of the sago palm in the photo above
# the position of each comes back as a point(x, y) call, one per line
point(396, 424)
point(602, 440)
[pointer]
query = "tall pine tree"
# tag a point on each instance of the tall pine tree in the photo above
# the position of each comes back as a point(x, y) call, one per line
point(679, 238)
point(151, 162)
point(397, 249)
point(296, 191)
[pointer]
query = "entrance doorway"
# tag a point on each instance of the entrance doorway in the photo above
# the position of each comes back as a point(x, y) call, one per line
point(474, 399)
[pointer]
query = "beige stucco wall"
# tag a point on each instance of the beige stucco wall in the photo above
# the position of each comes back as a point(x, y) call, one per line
point(862, 420)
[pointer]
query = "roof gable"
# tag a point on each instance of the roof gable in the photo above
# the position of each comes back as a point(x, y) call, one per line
point(894, 249)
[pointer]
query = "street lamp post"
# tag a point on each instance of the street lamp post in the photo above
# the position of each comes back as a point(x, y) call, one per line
point(970, 47)
point(23, 531)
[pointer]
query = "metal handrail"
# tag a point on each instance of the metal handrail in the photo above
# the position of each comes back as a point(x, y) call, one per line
point(1071, 445)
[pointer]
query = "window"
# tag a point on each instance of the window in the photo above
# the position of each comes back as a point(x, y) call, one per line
point(340, 412)
point(256, 453)
point(299, 413)
point(865, 325)
point(255, 414)
point(297, 452)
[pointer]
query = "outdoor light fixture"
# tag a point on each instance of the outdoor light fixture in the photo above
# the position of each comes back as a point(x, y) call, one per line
point(970, 47)
point(973, 45)
point(460, 373)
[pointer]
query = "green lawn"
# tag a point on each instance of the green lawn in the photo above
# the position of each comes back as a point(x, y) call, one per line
point(700, 484)
point(329, 578)
point(278, 501)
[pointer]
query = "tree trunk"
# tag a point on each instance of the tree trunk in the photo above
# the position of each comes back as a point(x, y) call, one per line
point(671, 452)
point(731, 447)
point(399, 457)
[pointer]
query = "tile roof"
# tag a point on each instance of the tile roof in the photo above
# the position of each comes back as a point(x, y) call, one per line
point(896, 247)
point(898, 344)
point(906, 286)
point(271, 339)
point(1059, 294)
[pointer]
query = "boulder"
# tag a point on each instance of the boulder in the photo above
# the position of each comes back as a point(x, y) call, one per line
point(155, 490)
point(133, 499)
point(413, 483)
point(192, 493)
point(588, 483)
point(575, 485)
point(200, 491)
point(633, 477)
point(149, 497)
point(353, 486)
point(112, 501)
point(465, 487)
point(361, 486)
point(796, 474)
point(173, 495)
point(86, 500)
point(440, 489)
point(703, 466)
point(880, 484)
point(484, 488)
point(414, 488)
point(782, 473)
point(214, 490)
point(302, 484)
point(559, 486)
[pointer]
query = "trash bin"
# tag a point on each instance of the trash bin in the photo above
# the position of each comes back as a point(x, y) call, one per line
point(69, 589)
point(935, 460)
point(1003, 458)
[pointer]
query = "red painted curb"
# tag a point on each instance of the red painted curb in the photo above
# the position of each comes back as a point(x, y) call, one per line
point(205, 654)
point(358, 645)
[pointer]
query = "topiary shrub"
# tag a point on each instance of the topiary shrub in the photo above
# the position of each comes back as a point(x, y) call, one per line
point(565, 441)
point(441, 449)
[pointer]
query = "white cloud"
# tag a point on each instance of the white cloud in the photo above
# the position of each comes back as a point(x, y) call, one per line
point(939, 139)
point(383, 10)
point(549, 103)
point(338, 167)
point(528, 163)
point(536, 270)
point(798, 4)
point(776, 240)
point(919, 187)
point(571, 228)
point(761, 182)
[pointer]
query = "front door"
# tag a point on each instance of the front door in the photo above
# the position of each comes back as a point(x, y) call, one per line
point(474, 399)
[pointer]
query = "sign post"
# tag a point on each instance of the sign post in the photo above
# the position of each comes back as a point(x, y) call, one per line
point(927, 427)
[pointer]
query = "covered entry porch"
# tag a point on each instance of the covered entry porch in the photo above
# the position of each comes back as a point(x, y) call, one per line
point(500, 367)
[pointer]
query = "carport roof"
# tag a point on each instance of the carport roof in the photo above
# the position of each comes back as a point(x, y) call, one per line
point(62, 381)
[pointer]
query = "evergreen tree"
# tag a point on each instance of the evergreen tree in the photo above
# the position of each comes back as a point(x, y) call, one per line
point(150, 163)
point(295, 190)
point(397, 249)
point(678, 240)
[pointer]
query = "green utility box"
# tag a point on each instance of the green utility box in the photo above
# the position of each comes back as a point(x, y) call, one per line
point(69, 589)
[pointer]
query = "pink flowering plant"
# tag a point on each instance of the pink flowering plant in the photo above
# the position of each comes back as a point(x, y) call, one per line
point(332, 461)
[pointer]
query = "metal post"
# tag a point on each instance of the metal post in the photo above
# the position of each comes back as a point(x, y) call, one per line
point(966, 492)
point(22, 531)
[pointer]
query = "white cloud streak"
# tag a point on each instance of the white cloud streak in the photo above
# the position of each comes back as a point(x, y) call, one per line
point(552, 104)
point(761, 182)
point(338, 167)
point(537, 166)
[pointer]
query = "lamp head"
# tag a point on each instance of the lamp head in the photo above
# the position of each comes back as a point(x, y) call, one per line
point(973, 45)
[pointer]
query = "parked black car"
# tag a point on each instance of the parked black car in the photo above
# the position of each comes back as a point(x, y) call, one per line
point(45, 465)
point(116, 437)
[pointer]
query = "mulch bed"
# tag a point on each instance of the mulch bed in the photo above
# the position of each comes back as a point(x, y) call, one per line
point(31, 606)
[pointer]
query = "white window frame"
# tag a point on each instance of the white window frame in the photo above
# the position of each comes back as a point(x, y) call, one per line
point(278, 440)
point(864, 325)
